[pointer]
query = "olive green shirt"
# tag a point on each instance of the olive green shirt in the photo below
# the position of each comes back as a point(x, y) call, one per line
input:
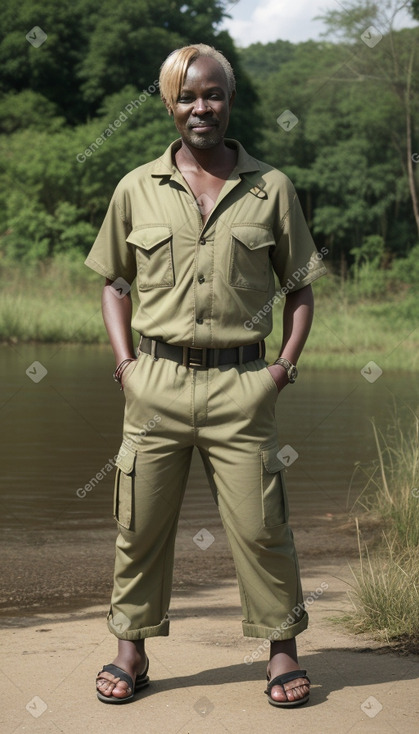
point(206, 285)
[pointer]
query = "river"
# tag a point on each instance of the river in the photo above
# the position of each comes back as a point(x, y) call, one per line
point(61, 428)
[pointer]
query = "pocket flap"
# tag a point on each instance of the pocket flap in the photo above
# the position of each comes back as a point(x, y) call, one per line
point(271, 460)
point(253, 236)
point(126, 459)
point(150, 236)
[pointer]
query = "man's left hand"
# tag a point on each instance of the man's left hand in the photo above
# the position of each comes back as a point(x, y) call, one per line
point(279, 376)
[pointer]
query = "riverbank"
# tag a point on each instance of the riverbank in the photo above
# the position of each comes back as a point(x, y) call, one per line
point(50, 579)
point(60, 302)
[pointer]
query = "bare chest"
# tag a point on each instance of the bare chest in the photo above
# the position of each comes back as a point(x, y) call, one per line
point(205, 189)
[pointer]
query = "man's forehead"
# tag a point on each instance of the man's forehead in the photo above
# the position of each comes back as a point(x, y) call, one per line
point(206, 70)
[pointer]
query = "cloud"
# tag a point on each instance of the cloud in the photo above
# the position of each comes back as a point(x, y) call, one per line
point(269, 20)
point(288, 20)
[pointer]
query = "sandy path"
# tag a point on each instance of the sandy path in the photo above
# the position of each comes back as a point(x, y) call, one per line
point(200, 682)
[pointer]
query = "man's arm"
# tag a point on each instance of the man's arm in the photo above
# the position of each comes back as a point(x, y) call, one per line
point(297, 320)
point(117, 317)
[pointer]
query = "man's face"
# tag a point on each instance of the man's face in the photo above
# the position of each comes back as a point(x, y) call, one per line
point(202, 110)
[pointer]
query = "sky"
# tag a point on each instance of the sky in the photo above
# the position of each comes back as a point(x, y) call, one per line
point(288, 20)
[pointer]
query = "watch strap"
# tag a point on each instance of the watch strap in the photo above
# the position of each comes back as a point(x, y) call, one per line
point(290, 368)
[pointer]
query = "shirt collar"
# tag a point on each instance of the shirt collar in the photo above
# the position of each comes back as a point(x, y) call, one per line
point(164, 165)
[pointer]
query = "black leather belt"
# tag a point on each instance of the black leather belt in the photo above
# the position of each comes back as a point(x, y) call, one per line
point(202, 357)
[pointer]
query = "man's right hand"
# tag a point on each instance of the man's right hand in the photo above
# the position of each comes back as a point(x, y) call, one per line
point(127, 371)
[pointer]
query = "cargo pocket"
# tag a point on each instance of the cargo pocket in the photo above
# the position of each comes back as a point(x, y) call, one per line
point(250, 265)
point(153, 248)
point(274, 494)
point(123, 499)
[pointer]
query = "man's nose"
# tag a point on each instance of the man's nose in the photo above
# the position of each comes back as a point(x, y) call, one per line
point(201, 106)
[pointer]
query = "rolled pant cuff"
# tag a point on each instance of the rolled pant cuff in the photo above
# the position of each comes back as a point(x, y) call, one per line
point(283, 631)
point(159, 630)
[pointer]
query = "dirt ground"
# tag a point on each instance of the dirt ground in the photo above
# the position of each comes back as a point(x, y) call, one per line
point(54, 640)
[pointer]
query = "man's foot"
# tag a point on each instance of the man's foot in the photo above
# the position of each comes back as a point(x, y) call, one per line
point(284, 660)
point(131, 659)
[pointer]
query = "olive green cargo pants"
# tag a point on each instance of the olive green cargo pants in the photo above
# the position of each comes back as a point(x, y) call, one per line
point(228, 412)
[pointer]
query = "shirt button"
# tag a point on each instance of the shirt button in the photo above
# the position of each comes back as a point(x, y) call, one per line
point(201, 279)
point(202, 241)
point(200, 321)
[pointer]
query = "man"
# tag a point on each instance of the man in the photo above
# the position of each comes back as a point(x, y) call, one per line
point(203, 228)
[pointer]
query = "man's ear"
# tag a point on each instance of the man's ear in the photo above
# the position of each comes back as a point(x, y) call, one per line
point(232, 98)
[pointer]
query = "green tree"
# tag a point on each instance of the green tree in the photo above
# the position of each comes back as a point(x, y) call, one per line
point(345, 153)
point(394, 69)
point(93, 51)
point(59, 96)
point(262, 59)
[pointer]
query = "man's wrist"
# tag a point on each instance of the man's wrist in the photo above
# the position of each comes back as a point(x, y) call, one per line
point(290, 369)
point(121, 367)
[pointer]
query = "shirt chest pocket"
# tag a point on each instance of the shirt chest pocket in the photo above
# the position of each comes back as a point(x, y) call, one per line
point(250, 265)
point(154, 256)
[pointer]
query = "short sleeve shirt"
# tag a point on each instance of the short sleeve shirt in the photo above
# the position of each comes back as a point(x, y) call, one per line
point(212, 284)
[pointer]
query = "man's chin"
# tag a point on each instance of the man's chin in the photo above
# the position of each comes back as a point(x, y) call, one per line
point(204, 141)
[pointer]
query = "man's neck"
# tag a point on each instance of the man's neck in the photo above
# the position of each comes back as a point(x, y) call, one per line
point(214, 160)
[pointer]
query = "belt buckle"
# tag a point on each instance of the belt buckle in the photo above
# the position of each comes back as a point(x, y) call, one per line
point(197, 361)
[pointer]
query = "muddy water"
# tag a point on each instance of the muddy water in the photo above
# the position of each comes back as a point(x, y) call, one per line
point(61, 429)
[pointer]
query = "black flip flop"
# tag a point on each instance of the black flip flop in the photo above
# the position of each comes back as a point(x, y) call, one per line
point(141, 681)
point(286, 678)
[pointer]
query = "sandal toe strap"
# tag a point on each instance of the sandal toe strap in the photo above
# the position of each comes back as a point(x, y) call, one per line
point(118, 673)
point(279, 680)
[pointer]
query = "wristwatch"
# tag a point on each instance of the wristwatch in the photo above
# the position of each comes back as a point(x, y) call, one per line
point(290, 368)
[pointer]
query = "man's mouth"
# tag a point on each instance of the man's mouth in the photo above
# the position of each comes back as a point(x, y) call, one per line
point(203, 126)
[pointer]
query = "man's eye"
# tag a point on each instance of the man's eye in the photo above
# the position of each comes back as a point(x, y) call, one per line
point(184, 99)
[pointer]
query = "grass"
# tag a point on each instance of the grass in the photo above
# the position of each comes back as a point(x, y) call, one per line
point(385, 595)
point(59, 301)
point(349, 332)
point(51, 302)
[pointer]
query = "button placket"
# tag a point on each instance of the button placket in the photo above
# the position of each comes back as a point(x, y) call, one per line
point(203, 291)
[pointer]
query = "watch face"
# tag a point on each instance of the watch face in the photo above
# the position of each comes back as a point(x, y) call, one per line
point(292, 374)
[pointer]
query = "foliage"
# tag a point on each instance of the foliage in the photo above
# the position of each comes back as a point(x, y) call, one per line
point(347, 155)
point(406, 270)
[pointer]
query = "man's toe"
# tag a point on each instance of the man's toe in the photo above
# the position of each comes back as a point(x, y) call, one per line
point(296, 689)
point(106, 686)
point(278, 694)
point(122, 690)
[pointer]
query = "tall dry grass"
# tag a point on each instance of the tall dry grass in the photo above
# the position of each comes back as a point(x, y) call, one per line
point(385, 593)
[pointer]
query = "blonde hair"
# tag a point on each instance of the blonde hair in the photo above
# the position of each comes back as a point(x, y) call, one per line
point(174, 68)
